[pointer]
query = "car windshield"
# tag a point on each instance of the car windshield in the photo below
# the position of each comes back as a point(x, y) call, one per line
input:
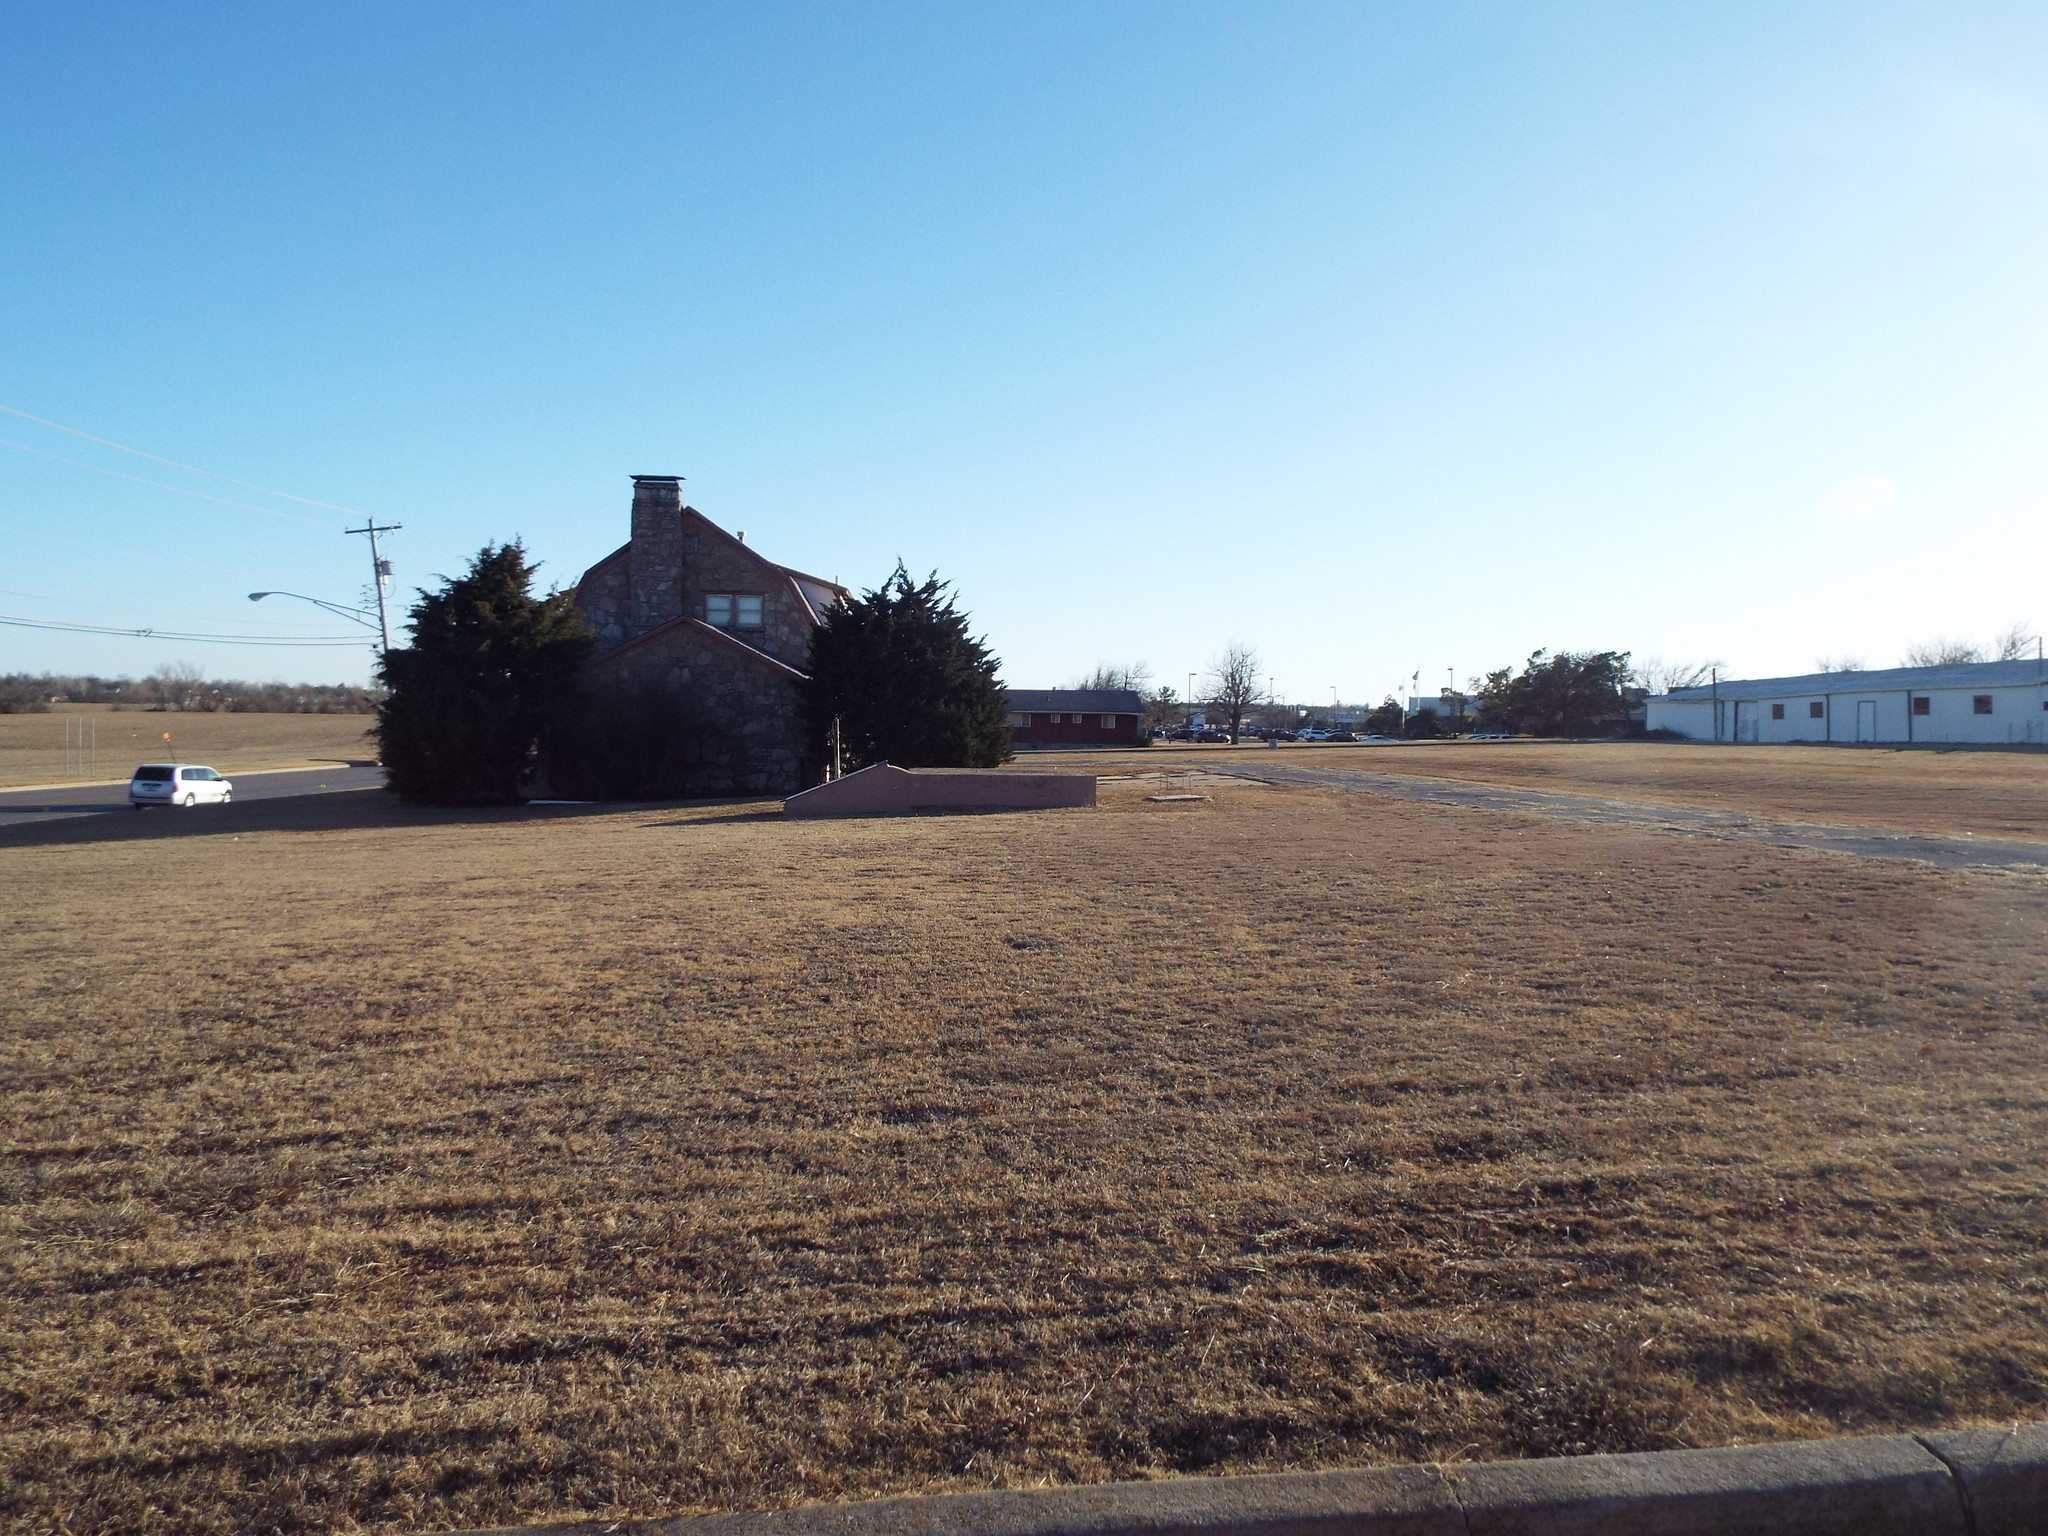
point(152, 773)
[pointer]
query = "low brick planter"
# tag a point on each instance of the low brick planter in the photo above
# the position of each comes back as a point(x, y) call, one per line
point(1966, 1483)
point(886, 790)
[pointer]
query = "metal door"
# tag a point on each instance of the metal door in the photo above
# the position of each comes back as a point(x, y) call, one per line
point(1866, 719)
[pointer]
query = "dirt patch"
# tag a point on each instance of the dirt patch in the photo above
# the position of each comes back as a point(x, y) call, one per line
point(1945, 793)
point(469, 1170)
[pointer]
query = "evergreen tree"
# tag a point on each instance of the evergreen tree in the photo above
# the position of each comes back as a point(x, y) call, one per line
point(906, 681)
point(1565, 694)
point(468, 697)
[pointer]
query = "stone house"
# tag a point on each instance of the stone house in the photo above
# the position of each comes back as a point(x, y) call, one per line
point(686, 610)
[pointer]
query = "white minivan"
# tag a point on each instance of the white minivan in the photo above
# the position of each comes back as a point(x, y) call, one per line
point(178, 784)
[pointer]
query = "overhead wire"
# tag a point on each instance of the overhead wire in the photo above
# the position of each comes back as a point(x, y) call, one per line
point(247, 485)
point(101, 469)
point(73, 602)
point(20, 621)
point(144, 633)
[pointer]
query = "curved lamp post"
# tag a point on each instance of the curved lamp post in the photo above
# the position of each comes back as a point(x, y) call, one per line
point(357, 615)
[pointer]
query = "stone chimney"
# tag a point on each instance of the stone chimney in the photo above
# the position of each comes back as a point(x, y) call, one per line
point(657, 558)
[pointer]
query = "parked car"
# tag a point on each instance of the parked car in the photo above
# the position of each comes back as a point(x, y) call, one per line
point(1340, 736)
point(1313, 734)
point(1376, 736)
point(186, 784)
point(1212, 735)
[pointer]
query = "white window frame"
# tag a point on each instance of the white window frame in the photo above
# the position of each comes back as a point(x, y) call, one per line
point(1109, 722)
point(718, 609)
point(741, 603)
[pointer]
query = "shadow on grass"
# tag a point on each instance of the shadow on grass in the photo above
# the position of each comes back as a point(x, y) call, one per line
point(336, 811)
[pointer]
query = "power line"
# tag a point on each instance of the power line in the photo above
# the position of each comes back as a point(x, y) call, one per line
point(100, 469)
point(20, 622)
point(73, 602)
point(247, 485)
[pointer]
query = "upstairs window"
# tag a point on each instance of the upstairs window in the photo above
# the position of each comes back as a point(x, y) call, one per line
point(1816, 710)
point(730, 610)
point(1980, 703)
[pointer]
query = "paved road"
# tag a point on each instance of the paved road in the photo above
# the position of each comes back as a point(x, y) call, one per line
point(1870, 842)
point(38, 806)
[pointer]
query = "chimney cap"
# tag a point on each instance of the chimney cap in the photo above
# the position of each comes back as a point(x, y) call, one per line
point(657, 479)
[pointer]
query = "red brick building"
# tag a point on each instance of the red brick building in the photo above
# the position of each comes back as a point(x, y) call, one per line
point(1075, 717)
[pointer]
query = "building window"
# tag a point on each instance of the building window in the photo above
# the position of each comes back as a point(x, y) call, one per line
point(1816, 710)
point(1922, 704)
point(1109, 722)
point(749, 611)
point(1777, 711)
point(718, 609)
point(1017, 721)
point(1980, 703)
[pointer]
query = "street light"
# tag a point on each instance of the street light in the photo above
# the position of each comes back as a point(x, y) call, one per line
point(357, 615)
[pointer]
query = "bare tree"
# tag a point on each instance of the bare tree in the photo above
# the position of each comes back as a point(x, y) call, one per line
point(178, 684)
point(2015, 640)
point(1839, 664)
point(1164, 708)
point(1943, 652)
point(1108, 675)
point(1234, 679)
point(1660, 676)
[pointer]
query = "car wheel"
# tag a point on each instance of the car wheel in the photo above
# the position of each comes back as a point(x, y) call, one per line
point(133, 807)
point(226, 795)
point(189, 801)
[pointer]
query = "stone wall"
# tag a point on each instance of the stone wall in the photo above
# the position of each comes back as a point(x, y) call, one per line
point(657, 558)
point(715, 561)
point(604, 597)
point(675, 558)
point(754, 706)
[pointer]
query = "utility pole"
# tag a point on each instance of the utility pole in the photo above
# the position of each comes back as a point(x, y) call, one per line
point(380, 569)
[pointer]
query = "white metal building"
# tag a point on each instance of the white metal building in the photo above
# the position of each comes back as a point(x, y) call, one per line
point(1987, 701)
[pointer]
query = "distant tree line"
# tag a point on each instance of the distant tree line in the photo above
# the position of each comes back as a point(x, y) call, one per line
point(182, 687)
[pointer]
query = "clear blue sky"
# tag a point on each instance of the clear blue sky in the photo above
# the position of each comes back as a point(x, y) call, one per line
point(1381, 337)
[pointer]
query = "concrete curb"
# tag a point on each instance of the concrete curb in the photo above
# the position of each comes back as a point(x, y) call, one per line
point(1967, 1483)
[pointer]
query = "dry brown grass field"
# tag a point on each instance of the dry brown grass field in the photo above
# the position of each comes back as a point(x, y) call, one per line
point(374, 1169)
point(32, 746)
point(1985, 794)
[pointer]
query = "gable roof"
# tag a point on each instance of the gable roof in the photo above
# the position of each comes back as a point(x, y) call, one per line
point(815, 595)
point(730, 641)
point(1970, 674)
point(1081, 701)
